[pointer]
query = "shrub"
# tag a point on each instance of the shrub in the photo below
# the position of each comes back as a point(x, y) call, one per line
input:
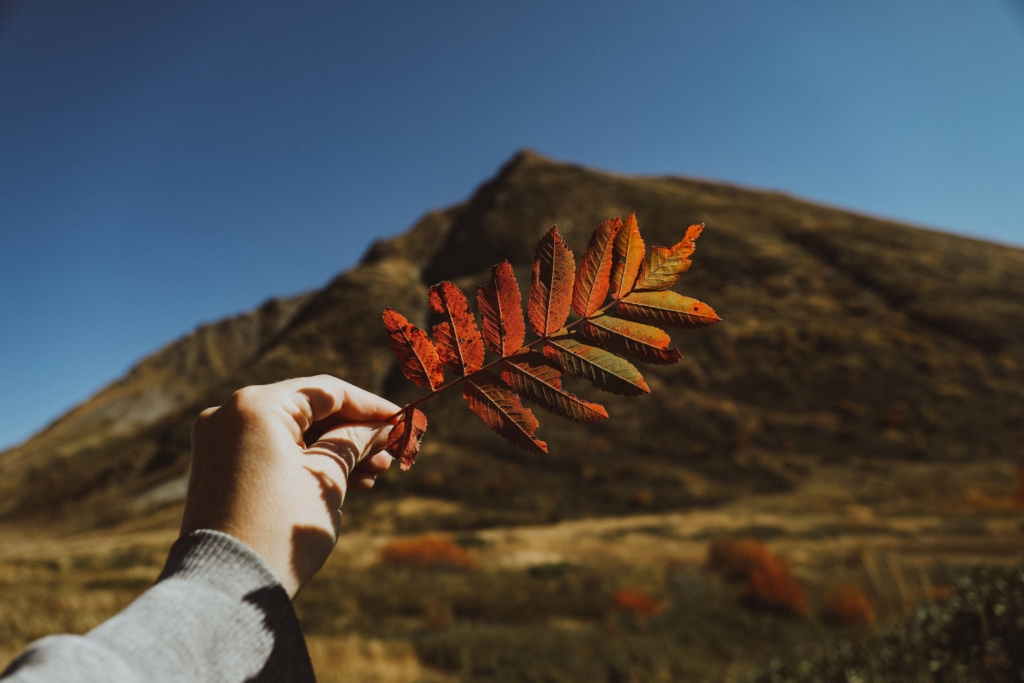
point(974, 636)
point(937, 593)
point(846, 605)
point(516, 626)
point(736, 557)
point(771, 587)
point(635, 602)
point(1017, 499)
point(426, 551)
point(769, 584)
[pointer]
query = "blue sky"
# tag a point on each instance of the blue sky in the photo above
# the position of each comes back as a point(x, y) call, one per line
point(167, 164)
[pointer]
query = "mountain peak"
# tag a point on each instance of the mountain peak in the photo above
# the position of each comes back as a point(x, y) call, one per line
point(844, 337)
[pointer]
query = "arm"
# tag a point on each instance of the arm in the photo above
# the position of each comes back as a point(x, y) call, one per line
point(262, 515)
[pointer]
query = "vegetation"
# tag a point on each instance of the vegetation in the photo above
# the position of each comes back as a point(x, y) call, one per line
point(616, 290)
point(630, 601)
point(426, 551)
point(974, 635)
point(769, 585)
point(437, 608)
point(552, 623)
point(847, 605)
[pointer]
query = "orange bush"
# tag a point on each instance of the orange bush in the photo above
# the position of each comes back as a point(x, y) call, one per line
point(770, 586)
point(426, 551)
point(737, 557)
point(769, 583)
point(1017, 499)
point(635, 602)
point(847, 605)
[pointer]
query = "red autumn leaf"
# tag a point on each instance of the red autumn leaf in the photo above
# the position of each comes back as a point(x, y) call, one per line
point(406, 436)
point(643, 342)
point(667, 308)
point(604, 370)
point(501, 311)
point(551, 284)
point(458, 339)
point(629, 254)
point(593, 277)
point(502, 411)
point(416, 354)
point(613, 263)
point(664, 265)
point(533, 376)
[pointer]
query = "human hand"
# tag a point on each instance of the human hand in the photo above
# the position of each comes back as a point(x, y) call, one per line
point(254, 476)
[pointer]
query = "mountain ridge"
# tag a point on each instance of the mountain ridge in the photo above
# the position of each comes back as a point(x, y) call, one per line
point(845, 336)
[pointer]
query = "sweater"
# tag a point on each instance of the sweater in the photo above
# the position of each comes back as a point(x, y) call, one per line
point(216, 613)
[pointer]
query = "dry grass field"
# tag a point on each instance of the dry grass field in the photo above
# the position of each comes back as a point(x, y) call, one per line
point(547, 602)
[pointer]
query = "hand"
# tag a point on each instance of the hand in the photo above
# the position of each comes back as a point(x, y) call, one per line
point(255, 477)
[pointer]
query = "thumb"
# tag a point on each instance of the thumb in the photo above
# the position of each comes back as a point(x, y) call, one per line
point(352, 443)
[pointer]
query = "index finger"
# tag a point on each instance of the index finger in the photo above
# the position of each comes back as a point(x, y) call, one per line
point(324, 396)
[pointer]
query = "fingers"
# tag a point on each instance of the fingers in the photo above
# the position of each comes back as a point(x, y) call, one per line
point(325, 396)
point(343, 444)
point(321, 427)
point(361, 482)
point(378, 463)
point(352, 444)
point(364, 476)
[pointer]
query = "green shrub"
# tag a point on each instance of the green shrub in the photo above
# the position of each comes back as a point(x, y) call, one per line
point(977, 634)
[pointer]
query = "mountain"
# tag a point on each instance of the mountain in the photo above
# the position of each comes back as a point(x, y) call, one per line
point(845, 338)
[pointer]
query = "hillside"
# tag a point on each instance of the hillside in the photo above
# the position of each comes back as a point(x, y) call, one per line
point(845, 339)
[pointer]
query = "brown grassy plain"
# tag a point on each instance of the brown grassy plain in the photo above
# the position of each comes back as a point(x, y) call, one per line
point(373, 622)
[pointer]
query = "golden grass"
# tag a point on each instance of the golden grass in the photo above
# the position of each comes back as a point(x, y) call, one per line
point(351, 659)
point(54, 582)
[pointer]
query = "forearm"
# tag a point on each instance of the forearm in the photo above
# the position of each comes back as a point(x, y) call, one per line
point(217, 613)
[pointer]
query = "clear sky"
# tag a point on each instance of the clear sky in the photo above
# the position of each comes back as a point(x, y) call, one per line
point(164, 164)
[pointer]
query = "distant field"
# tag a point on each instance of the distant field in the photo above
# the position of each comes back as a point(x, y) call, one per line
point(535, 603)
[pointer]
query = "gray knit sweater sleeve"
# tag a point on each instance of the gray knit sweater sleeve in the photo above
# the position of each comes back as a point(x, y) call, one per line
point(217, 613)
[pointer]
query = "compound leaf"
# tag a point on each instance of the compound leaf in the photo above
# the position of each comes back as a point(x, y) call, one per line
point(643, 342)
point(614, 263)
point(551, 285)
point(533, 376)
point(604, 370)
point(664, 265)
point(593, 277)
point(406, 436)
point(667, 308)
point(501, 311)
point(503, 412)
point(629, 254)
point(458, 340)
point(416, 354)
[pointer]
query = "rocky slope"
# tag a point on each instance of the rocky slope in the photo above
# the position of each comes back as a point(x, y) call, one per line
point(844, 337)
